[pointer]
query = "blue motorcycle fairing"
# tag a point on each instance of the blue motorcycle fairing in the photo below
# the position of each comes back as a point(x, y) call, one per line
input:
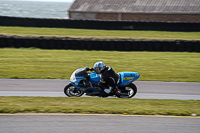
point(128, 77)
point(78, 87)
point(87, 90)
point(94, 78)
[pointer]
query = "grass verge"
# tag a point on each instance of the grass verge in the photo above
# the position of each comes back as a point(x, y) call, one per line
point(99, 106)
point(100, 34)
point(59, 64)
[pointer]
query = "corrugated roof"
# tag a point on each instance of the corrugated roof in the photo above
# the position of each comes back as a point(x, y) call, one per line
point(137, 6)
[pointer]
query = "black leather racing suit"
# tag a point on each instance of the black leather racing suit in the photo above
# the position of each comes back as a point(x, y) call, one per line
point(108, 77)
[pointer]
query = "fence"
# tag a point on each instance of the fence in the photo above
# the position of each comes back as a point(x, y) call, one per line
point(99, 24)
point(90, 44)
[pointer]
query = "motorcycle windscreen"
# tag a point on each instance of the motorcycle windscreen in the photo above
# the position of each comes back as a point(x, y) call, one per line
point(81, 73)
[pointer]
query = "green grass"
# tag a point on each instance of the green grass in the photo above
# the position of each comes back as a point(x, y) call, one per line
point(99, 105)
point(113, 34)
point(59, 64)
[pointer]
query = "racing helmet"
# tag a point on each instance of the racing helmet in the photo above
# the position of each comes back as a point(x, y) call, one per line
point(99, 66)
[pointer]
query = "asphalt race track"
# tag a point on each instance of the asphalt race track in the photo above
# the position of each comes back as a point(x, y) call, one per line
point(60, 123)
point(97, 124)
point(54, 88)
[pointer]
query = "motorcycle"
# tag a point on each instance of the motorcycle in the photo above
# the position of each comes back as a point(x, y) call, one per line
point(83, 82)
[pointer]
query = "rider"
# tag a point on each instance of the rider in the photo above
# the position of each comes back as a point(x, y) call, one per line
point(109, 78)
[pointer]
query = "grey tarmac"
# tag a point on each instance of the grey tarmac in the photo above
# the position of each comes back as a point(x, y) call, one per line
point(28, 123)
point(97, 124)
point(54, 88)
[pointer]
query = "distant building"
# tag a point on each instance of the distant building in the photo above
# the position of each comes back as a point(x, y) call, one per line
point(136, 10)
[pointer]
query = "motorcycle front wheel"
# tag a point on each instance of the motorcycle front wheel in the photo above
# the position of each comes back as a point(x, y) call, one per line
point(130, 89)
point(71, 91)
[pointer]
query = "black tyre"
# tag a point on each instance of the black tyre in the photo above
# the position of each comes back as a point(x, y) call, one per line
point(71, 91)
point(130, 89)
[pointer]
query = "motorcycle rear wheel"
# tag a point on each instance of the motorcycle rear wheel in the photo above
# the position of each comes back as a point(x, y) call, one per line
point(71, 91)
point(131, 89)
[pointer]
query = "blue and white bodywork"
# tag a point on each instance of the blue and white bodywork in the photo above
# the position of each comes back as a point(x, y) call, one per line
point(128, 77)
point(83, 82)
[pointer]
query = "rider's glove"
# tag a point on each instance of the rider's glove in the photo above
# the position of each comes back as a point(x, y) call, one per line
point(89, 69)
